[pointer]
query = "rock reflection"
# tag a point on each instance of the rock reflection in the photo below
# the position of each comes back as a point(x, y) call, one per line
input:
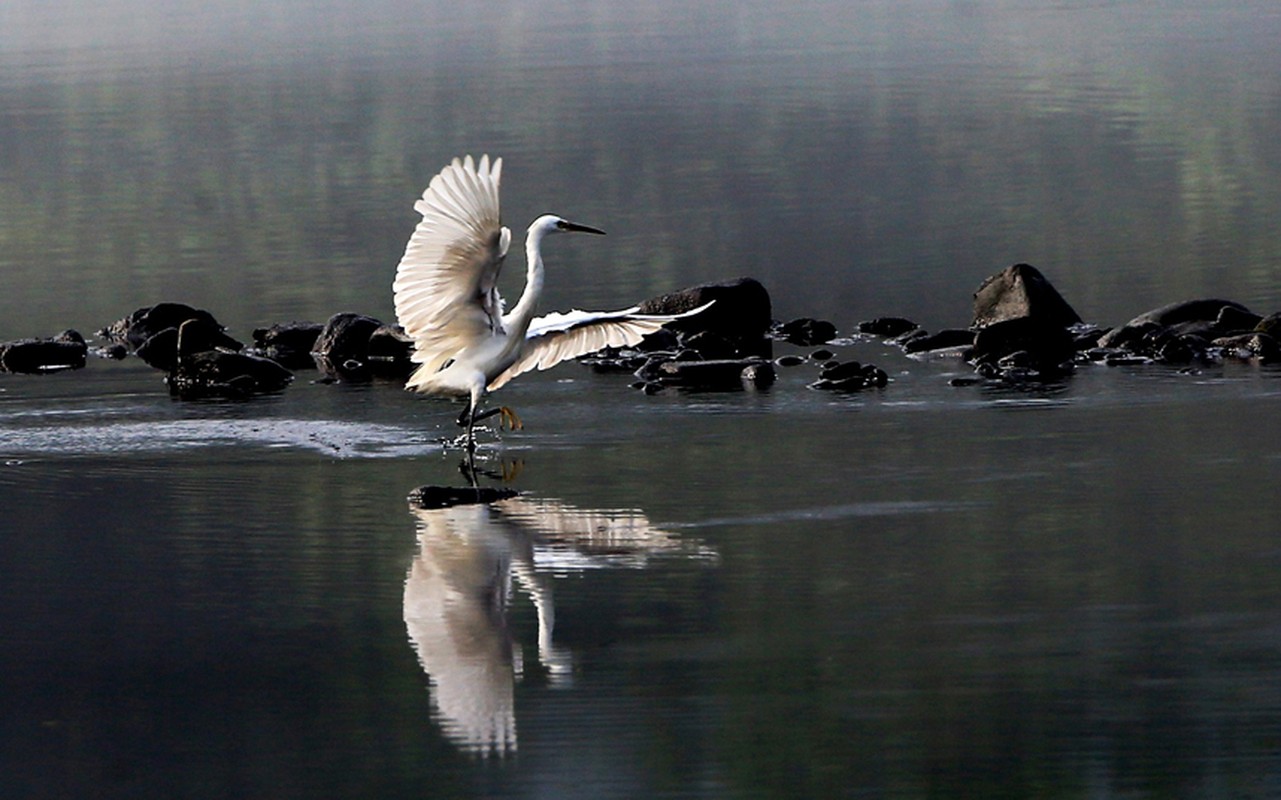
point(460, 586)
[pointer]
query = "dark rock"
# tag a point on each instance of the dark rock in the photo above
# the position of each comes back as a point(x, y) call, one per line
point(835, 371)
point(356, 348)
point(822, 355)
point(806, 332)
point(1086, 337)
point(1019, 292)
point(346, 335)
point(1232, 319)
point(289, 343)
point(160, 350)
point(1271, 325)
point(1187, 311)
point(146, 322)
point(1262, 346)
point(661, 339)
point(966, 381)
point(943, 340)
point(114, 351)
point(1044, 345)
point(202, 371)
point(887, 326)
point(710, 345)
point(1194, 322)
point(851, 376)
point(67, 350)
point(718, 374)
point(391, 352)
point(430, 497)
point(741, 309)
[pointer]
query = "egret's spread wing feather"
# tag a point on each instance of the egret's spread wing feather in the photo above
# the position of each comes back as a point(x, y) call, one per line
point(446, 284)
point(558, 337)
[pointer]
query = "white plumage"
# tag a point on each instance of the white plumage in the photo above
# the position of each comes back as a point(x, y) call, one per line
point(446, 294)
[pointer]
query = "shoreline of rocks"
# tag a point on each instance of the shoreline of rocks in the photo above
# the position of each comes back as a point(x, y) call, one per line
point(1021, 330)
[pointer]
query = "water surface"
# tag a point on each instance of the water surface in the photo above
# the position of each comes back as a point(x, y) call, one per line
point(924, 591)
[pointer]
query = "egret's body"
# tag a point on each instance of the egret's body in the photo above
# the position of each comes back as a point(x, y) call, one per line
point(447, 297)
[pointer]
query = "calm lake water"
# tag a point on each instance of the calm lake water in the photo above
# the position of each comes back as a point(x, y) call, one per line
point(924, 591)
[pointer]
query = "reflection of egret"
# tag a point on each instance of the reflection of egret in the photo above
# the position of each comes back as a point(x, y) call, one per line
point(447, 298)
point(459, 587)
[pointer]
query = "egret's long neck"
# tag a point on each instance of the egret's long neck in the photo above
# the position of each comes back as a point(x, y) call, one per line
point(519, 318)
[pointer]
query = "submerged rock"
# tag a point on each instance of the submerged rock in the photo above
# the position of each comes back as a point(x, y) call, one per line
point(67, 350)
point(201, 371)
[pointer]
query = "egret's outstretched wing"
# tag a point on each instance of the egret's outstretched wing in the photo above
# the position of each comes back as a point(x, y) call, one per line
point(445, 288)
point(557, 337)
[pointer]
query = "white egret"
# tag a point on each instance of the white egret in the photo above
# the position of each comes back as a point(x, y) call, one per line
point(447, 297)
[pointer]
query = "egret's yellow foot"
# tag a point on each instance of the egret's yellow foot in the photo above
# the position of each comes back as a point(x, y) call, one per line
point(509, 419)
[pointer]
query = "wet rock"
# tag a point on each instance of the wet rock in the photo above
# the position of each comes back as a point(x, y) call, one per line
point(1203, 313)
point(390, 352)
point(1021, 292)
point(146, 322)
point(806, 332)
point(659, 340)
point(356, 348)
point(1261, 346)
point(160, 350)
point(949, 339)
point(202, 371)
point(449, 496)
point(718, 374)
point(789, 361)
point(1022, 324)
point(1180, 332)
point(67, 350)
point(289, 344)
point(888, 327)
point(713, 346)
point(1271, 325)
point(850, 376)
point(739, 315)
point(1043, 345)
point(114, 351)
point(822, 355)
point(741, 309)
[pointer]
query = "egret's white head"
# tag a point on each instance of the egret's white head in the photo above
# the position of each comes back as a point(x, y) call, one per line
point(550, 223)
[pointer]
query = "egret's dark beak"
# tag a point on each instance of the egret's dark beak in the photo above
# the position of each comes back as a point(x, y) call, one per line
point(574, 227)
